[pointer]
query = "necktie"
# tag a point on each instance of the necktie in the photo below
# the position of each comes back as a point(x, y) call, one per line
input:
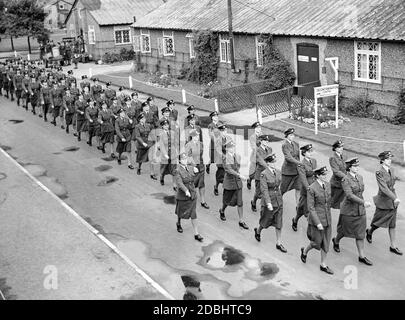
point(323, 186)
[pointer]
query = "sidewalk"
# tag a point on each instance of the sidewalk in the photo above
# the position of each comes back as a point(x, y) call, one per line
point(47, 253)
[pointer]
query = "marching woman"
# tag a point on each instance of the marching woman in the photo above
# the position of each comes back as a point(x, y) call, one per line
point(319, 220)
point(91, 114)
point(25, 95)
point(272, 201)
point(153, 121)
point(69, 106)
point(253, 143)
point(57, 101)
point(352, 218)
point(191, 111)
point(80, 107)
point(186, 196)
point(86, 93)
point(338, 166)
point(306, 175)
point(219, 141)
point(166, 147)
point(290, 179)
point(34, 88)
point(122, 128)
point(386, 201)
point(106, 118)
point(214, 134)
point(232, 195)
point(46, 100)
point(141, 135)
point(109, 94)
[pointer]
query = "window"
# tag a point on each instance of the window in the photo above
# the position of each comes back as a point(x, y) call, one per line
point(190, 37)
point(145, 41)
point(367, 61)
point(122, 36)
point(168, 43)
point(225, 50)
point(92, 35)
point(260, 52)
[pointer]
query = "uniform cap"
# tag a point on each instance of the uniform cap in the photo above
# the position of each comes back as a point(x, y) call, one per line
point(213, 114)
point(270, 157)
point(191, 116)
point(120, 89)
point(307, 147)
point(170, 102)
point(163, 122)
point(84, 77)
point(289, 131)
point(256, 124)
point(108, 84)
point(221, 126)
point(352, 162)
point(338, 144)
point(134, 94)
point(264, 137)
point(321, 171)
point(149, 99)
point(140, 116)
point(165, 109)
point(190, 108)
point(385, 155)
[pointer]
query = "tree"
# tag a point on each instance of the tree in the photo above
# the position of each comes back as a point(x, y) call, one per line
point(24, 18)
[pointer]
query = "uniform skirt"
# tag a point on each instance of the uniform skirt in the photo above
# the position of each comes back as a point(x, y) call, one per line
point(94, 130)
point(337, 196)
point(186, 209)
point(289, 183)
point(80, 125)
point(232, 198)
point(352, 227)
point(142, 155)
point(220, 174)
point(320, 239)
point(258, 192)
point(56, 111)
point(69, 118)
point(199, 179)
point(302, 208)
point(167, 168)
point(272, 218)
point(124, 146)
point(385, 218)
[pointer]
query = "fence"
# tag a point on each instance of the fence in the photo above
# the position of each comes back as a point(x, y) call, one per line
point(287, 99)
point(241, 97)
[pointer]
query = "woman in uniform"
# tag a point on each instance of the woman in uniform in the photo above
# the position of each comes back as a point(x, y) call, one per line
point(352, 219)
point(69, 107)
point(186, 196)
point(386, 201)
point(34, 89)
point(213, 131)
point(271, 213)
point(141, 137)
point(194, 150)
point(232, 182)
point(218, 146)
point(166, 147)
point(106, 118)
point(253, 143)
point(122, 128)
point(290, 179)
point(338, 166)
point(92, 121)
point(80, 107)
point(306, 175)
point(319, 220)
point(153, 121)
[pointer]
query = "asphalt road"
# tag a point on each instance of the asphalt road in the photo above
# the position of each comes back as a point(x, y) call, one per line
point(137, 215)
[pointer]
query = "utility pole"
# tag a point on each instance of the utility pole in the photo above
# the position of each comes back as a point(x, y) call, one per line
point(231, 35)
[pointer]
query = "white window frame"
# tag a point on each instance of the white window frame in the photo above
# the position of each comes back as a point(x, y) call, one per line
point(368, 53)
point(91, 35)
point(122, 29)
point(224, 49)
point(260, 45)
point(167, 35)
point(145, 34)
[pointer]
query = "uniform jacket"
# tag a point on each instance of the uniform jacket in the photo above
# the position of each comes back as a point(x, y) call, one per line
point(353, 202)
point(261, 153)
point(80, 106)
point(232, 181)
point(270, 187)
point(26, 84)
point(122, 127)
point(34, 88)
point(17, 81)
point(107, 118)
point(194, 151)
point(69, 104)
point(184, 178)
point(306, 173)
point(291, 153)
point(91, 113)
point(174, 114)
point(95, 91)
point(75, 92)
point(141, 135)
point(57, 97)
point(386, 191)
point(338, 167)
point(197, 121)
point(167, 144)
point(189, 128)
point(46, 96)
point(100, 101)
point(319, 200)
point(152, 119)
point(85, 84)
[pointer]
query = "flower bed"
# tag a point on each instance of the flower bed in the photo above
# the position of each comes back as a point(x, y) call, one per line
point(161, 80)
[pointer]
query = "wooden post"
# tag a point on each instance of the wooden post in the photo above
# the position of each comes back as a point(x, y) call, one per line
point(29, 44)
point(216, 105)
point(316, 115)
point(183, 93)
point(130, 82)
point(337, 111)
point(90, 73)
point(12, 43)
point(231, 49)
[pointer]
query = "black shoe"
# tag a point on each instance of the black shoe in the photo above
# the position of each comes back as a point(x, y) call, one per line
point(119, 161)
point(103, 150)
point(75, 134)
point(153, 177)
point(54, 123)
point(335, 245)
point(198, 238)
point(326, 269)
point(369, 236)
point(396, 251)
point(222, 215)
point(257, 235)
point(138, 172)
point(294, 225)
point(45, 119)
point(40, 115)
point(79, 139)
point(67, 130)
point(174, 189)
point(62, 126)
point(365, 261)
point(179, 228)
point(100, 148)
point(243, 225)
point(249, 184)
point(89, 143)
point(205, 205)
point(303, 256)
point(162, 182)
point(281, 248)
point(253, 206)
point(216, 191)
point(113, 156)
point(131, 167)
point(207, 169)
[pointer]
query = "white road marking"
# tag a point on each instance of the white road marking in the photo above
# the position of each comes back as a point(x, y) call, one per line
point(142, 273)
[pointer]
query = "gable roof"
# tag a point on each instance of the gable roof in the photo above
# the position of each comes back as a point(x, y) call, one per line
point(116, 12)
point(368, 19)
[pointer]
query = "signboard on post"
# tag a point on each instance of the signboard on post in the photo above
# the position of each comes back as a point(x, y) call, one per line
point(322, 92)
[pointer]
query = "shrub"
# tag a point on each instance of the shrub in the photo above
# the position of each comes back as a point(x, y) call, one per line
point(123, 55)
point(400, 116)
point(360, 106)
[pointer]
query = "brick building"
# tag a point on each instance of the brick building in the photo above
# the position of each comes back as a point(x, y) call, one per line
point(366, 36)
point(104, 25)
point(57, 12)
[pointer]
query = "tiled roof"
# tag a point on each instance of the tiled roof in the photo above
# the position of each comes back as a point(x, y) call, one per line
point(368, 19)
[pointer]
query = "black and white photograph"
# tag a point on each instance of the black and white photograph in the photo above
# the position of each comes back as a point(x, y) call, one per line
point(218, 151)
